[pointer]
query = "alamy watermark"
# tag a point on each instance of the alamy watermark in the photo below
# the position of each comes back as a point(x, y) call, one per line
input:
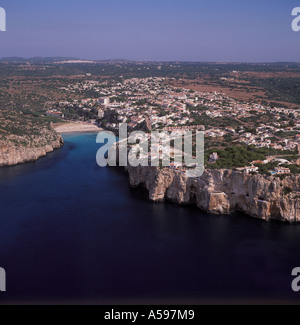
point(2, 279)
point(180, 150)
point(2, 20)
point(296, 21)
point(296, 281)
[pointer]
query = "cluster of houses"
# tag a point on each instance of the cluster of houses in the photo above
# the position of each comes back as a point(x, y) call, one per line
point(168, 106)
point(164, 107)
point(265, 137)
point(279, 170)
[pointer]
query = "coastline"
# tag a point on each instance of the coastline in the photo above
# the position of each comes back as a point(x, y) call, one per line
point(11, 155)
point(223, 192)
point(69, 128)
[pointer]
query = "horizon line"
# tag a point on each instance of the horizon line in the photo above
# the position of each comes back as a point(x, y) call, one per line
point(145, 61)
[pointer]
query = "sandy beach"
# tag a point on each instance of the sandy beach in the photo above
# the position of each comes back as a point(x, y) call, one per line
point(76, 127)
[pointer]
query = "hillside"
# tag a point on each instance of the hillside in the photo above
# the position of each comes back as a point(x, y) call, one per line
point(25, 138)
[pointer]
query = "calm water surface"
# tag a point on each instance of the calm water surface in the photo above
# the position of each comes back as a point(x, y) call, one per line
point(72, 231)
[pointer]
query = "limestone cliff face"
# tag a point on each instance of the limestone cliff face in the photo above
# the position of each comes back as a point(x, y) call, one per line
point(223, 191)
point(11, 154)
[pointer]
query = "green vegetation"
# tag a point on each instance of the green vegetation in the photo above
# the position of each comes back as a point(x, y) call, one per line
point(286, 134)
point(264, 169)
point(120, 99)
point(281, 89)
point(29, 130)
point(141, 102)
point(213, 122)
point(238, 156)
point(293, 168)
point(241, 156)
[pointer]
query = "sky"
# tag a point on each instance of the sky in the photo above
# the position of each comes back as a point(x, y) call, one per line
point(152, 30)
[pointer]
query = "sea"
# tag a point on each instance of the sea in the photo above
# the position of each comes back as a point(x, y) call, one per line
point(74, 232)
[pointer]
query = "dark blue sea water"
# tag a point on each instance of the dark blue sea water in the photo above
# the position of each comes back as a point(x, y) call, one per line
point(71, 231)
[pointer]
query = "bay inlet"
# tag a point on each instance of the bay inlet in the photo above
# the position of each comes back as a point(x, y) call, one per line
point(72, 231)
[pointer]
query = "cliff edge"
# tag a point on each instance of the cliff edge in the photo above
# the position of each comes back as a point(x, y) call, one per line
point(18, 149)
point(224, 191)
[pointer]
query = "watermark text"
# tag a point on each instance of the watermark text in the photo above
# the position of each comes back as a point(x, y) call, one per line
point(296, 281)
point(2, 20)
point(181, 150)
point(296, 21)
point(2, 279)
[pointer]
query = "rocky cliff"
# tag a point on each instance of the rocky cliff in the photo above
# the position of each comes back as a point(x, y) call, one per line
point(25, 136)
point(13, 152)
point(224, 191)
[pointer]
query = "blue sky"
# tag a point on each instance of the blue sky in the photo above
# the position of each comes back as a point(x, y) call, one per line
point(189, 30)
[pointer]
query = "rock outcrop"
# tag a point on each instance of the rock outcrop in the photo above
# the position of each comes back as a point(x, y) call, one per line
point(224, 191)
point(12, 154)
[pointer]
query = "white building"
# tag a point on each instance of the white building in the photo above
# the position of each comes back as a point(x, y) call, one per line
point(213, 157)
point(282, 170)
point(251, 169)
point(104, 101)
